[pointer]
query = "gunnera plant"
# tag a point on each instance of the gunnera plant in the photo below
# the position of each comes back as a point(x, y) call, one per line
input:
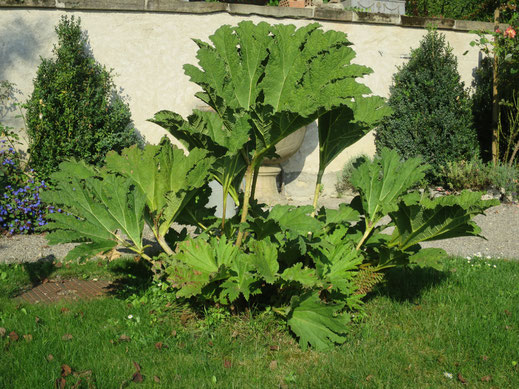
point(74, 110)
point(432, 115)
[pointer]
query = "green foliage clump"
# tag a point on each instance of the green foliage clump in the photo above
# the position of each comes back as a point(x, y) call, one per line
point(477, 175)
point(467, 175)
point(482, 10)
point(74, 111)
point(431, 109)
point(310, 266)
point(505, 178)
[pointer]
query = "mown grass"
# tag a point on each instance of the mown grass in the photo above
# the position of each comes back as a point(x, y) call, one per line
point(422, 328)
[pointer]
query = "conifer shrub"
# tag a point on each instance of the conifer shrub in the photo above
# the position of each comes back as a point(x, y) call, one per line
point(74, 110)
point(432, 115)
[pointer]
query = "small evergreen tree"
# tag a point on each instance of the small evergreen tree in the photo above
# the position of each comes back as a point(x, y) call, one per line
point(74, 111)
point(431, 109)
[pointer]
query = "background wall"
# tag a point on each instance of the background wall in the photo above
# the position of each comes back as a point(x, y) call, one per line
point(147, 50)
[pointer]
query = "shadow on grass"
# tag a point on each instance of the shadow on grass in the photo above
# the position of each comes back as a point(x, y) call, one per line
point(40, 270)
point(408, 284)
point(132, 277)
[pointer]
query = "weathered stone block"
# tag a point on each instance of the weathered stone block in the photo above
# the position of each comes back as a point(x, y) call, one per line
point(395, 7)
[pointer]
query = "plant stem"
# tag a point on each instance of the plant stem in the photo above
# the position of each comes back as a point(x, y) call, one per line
point(162, 242)
point(224, 208)
point(142, 254)
point(160, 239)
point(516, 149)
point(246, 197)
point(369, 228)
point(254, 182)
point(317, 190)
point(227, 183)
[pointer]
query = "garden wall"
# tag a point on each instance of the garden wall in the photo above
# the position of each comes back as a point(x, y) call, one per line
point(146, 42)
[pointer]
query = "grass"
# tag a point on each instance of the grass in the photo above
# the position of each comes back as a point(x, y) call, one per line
point(422, 328)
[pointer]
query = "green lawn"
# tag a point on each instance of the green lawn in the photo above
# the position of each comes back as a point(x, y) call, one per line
point(422, 329)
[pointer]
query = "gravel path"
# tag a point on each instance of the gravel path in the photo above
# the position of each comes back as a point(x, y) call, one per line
point(500, 227)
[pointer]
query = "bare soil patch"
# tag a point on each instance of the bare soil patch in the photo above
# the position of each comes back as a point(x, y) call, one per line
point(57, 290)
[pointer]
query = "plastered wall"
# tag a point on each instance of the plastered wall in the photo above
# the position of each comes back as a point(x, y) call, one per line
point(147, 51)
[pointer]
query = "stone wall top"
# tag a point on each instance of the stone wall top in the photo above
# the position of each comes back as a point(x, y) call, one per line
point(325, 12)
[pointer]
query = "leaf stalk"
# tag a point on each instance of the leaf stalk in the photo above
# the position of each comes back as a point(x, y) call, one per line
point(246, 198)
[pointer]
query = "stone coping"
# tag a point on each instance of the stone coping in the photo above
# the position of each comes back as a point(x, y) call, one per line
point(328, 12)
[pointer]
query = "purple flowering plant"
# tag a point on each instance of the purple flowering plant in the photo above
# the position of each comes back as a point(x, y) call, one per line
point(21, 210)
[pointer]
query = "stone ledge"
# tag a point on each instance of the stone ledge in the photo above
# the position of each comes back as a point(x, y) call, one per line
point(276, 12)
point(324, 13)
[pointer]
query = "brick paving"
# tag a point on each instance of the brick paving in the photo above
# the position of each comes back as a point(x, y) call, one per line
point(56, 290)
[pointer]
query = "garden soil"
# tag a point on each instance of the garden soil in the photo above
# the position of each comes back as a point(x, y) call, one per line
point(500, 227)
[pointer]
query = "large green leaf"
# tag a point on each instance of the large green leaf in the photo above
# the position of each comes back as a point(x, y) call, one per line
point(337, 132)
point(140, 166)
point(283, 78)
point(306, 276)
point(439, 218)
point(165, 175)
point(208, 131)
point(187, 280)
point(232, 67)
point(124, 204)
point(96, 205)
point(225, 251)
point(240, 281)
point(345, 214)
point(316, 323)
point(244, 66)
point(87, 250)
point(265, 259)
point(200, 255)
point(382, 181)
point(299, 76)
point(197, 212)
point(336, 261)
point(381, 257)
point(180, 178)
point(286, 65)
point(199, 263)
point(295, 219)
point(370, 111)
point(342, 264)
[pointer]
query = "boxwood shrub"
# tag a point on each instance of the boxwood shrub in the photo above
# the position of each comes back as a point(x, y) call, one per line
point(74, 110)
point(432, 115)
